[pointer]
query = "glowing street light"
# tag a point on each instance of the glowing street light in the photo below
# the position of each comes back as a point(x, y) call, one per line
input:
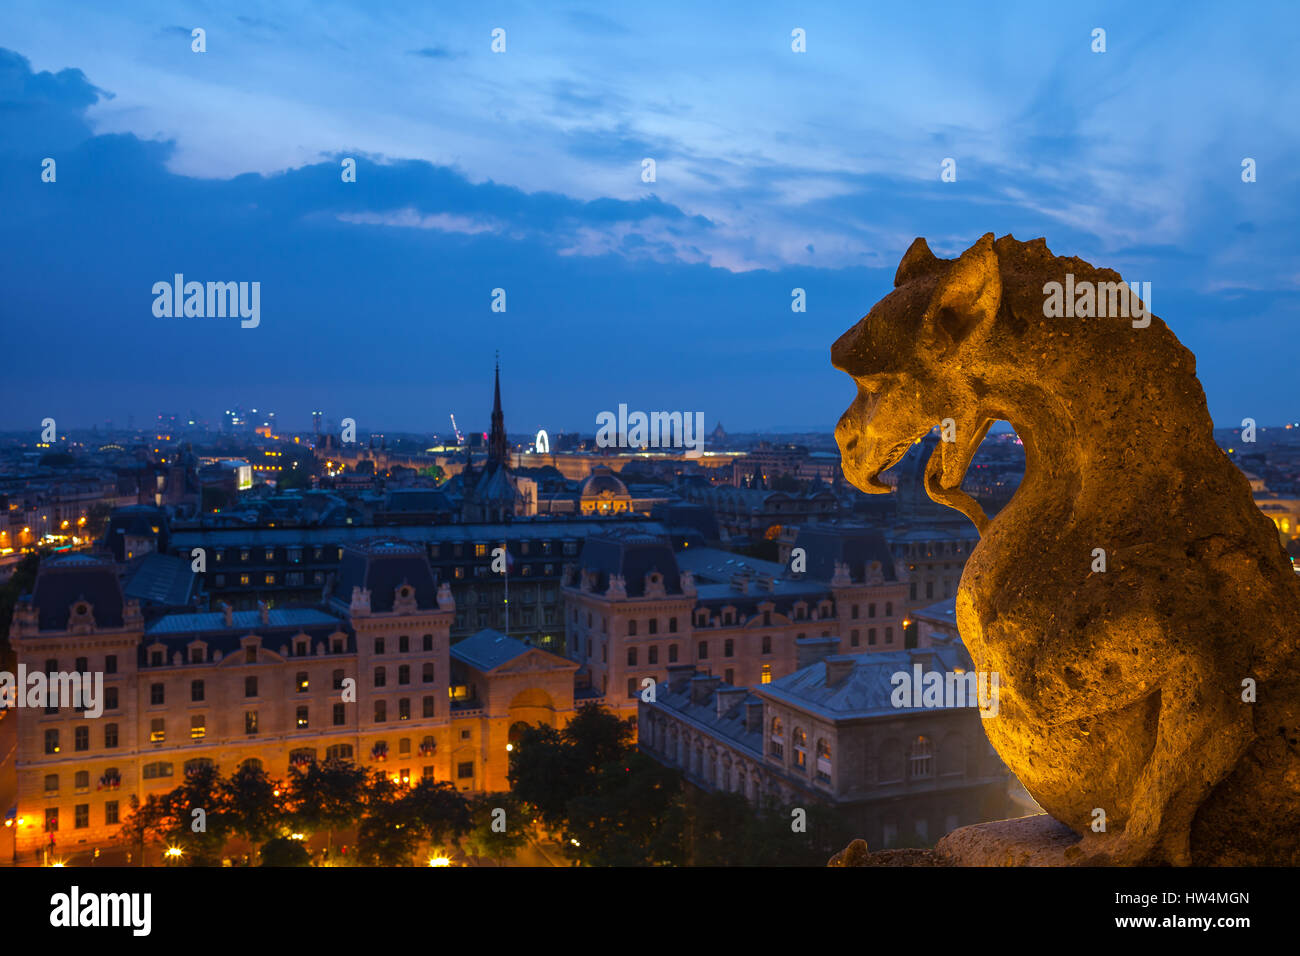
point(439, 861)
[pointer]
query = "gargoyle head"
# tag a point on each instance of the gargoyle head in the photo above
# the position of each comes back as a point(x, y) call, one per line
point(917, 359)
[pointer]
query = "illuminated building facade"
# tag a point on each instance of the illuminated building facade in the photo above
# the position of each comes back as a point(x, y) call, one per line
point(271, 686)
point(634, 608)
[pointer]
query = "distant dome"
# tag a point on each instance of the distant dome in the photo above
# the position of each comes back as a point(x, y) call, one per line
point(603, 482)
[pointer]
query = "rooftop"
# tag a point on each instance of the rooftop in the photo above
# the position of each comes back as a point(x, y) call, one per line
point(242, 621)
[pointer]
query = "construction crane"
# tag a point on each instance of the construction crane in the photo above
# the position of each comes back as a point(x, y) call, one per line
point(460, 439)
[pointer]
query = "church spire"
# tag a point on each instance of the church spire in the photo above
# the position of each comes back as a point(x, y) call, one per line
point(497, 446)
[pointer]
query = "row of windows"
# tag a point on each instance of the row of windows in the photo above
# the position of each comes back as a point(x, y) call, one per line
point(81, 816)
point(80, 739)
point(109, 780)
point(871, 610)
point(855, 638)
point(920, 755)
point(929, 589)
point(198, 724)
point(82, 664)
point(701, 649)
point(494, 618)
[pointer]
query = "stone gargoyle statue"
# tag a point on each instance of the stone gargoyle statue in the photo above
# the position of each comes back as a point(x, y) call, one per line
point(1158, 689)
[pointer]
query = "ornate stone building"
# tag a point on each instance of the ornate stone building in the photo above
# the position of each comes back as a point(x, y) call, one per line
point(368, 675)
point(634, 608)
point(830, 733)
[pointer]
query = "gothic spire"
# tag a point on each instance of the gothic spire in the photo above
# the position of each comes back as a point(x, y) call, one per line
point(497, 446)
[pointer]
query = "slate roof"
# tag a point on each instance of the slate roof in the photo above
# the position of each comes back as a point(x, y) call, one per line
point(245, 622)
point(942, 612)
point(865, 691)
point(730, 725)
point(160, 579)
point(633, 554)
point(488, 649)
point(714, 568)
point(65, 579)
point(382, 565)
point(856, 546)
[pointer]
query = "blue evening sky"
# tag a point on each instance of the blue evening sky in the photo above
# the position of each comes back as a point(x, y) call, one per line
point(522, 170)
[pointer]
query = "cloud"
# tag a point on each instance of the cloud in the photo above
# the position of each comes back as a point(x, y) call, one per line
point(433, 53)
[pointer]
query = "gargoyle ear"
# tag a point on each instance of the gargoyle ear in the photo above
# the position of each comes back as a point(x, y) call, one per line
point(917, 261)
point(968, 297)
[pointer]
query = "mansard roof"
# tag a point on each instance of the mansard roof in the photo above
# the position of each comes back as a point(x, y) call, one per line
point(64, 580)
point(381, 565)
point(632, 554)
point(855, 545)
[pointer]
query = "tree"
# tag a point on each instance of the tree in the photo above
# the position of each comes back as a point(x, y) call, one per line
point(285, 851)
point(632, 816)
point(325, 796)
point(170, 819)
point(545, 771)
point(386, 835)
point(253, 809)
point(718, 828)
point(500, 826)
point(145, 823)
point(437, 810)
point(598, 736)
point(202, 834)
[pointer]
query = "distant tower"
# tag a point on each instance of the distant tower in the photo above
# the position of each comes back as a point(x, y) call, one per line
point(497, 446)
point(315, 424)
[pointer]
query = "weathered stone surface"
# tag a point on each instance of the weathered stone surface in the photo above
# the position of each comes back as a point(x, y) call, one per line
point(857, 854)
point(1121, 691)
point(1036, 840)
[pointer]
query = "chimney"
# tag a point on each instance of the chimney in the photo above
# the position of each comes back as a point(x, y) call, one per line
point(678, 677)
point(838, 667)
point(263, 613)
point(810, 650)
point(702, 687)
point(740, 581)
point(227, 614)
point(753, 716)
point(766, 582)
point(729, 697)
